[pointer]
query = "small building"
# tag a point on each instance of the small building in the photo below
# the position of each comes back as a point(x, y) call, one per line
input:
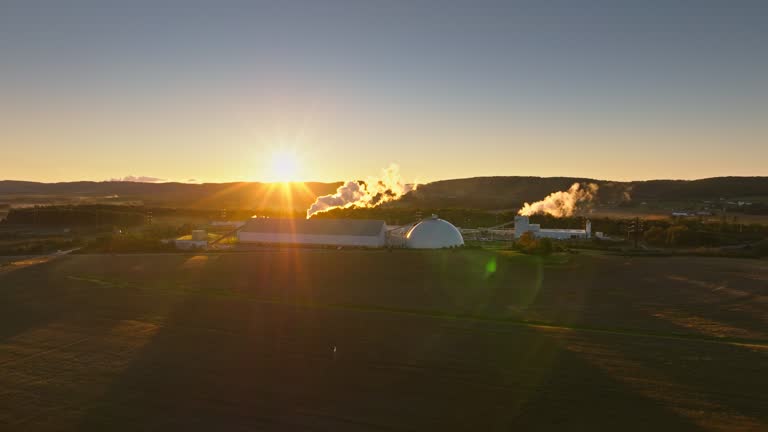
point(319, 232)
point(198, 239)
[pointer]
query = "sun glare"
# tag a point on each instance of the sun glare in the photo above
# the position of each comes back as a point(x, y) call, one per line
point(285, 166)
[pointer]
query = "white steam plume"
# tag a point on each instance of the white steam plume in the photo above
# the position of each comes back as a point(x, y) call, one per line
point(561, 203)
point(370, 193)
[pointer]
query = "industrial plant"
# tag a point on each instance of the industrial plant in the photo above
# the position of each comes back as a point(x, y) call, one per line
point(428, 233)
point(325, 232)
point(523, 225)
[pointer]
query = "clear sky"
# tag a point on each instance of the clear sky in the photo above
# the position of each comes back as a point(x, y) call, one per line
point(211, 90)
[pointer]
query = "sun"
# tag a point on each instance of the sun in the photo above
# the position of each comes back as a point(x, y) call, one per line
point(285, 166)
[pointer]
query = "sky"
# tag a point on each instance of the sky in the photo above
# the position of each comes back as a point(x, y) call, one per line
point(212, 91)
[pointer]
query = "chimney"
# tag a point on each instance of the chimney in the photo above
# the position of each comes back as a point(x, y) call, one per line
point(589, 228)
point(522, 225)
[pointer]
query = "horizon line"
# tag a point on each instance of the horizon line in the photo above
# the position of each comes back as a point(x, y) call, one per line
point(342, 181)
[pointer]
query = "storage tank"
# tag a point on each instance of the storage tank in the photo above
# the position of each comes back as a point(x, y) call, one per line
point(433, 233)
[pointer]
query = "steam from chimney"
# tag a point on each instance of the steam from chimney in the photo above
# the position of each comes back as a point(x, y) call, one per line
point(561, 203)
point(370, 193)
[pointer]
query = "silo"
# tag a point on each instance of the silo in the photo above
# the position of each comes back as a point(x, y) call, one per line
point(433, 233)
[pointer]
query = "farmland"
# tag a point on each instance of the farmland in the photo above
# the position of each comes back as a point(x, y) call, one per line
point(303, 339)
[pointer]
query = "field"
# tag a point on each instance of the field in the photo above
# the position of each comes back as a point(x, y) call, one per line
point(301, 339)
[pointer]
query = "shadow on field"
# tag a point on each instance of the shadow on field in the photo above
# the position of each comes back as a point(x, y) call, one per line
point(370, 340)
point(713, 383)
point(26, 300)
point(716, 386)
point(718, 299)
point(695, 296)
point(231, 365)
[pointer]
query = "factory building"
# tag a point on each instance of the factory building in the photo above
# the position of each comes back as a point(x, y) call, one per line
point(328, 232)
point(523, 225)
point(430, 233)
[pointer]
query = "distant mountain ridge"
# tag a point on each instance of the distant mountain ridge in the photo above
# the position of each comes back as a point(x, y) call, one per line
point(511, 192)
point(475, 192)
point(240, 195)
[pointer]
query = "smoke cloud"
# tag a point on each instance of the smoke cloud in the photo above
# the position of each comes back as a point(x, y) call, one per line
point(370, 193)
point(561, 203)
point(138, 179)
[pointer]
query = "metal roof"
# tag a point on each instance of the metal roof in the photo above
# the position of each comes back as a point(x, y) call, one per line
point(558, 230)
point(350, 227)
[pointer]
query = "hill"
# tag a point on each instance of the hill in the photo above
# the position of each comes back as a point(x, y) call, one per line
point(241, 195)
point(512, 192)
point(477, 192)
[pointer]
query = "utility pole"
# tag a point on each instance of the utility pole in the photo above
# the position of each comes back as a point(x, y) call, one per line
point(723, 218)
point(636, 227)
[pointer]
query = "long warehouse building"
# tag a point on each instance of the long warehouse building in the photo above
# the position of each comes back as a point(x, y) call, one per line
point(330, 232)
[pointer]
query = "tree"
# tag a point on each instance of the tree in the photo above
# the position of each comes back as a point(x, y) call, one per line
point(545, 246)
point(655, 236)
point(678, 235)
point(527, 241)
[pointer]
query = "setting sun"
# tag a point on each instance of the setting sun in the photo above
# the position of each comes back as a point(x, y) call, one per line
point(285, 166)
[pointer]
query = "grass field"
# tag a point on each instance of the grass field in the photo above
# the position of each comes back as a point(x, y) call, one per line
point(434, 340)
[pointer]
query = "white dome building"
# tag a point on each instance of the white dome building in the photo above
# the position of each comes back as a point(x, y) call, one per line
point(433, 233)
